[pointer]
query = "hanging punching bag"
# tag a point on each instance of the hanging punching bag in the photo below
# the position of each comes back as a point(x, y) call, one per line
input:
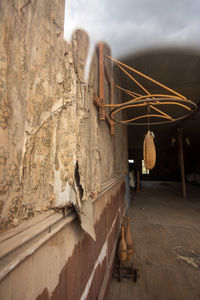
point(149, 151)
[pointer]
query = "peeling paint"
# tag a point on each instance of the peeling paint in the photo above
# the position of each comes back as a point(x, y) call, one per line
point(86, 217)
point(99, 261)
point(63, 197)
point(48, 122)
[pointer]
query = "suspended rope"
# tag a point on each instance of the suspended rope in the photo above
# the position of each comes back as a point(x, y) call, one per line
point(148, 110)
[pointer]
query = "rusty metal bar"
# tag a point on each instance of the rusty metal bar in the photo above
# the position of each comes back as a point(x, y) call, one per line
point(145, 76)
point(140, 85)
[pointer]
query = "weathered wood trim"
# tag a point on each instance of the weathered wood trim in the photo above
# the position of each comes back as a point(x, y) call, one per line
point(34, 240)
point(27, 224)
point(109, 263)
point(101, 72)
point(109, 268)
point(96, 101)
point(112, 124)
point(22, 241)
point(101, 81)
point(99, 100)
point(108, 75)
point(108, 185)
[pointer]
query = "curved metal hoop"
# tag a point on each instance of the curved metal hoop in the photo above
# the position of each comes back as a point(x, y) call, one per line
point(149, 100)
point(188, 105)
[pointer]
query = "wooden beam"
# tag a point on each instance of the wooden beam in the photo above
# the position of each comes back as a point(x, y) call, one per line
point(107, 75)
point(101, 80)
point(181, 155)
point(107, 118)
point(99, 100)
point(138, 181)
point(112, 129)
point(96, 101)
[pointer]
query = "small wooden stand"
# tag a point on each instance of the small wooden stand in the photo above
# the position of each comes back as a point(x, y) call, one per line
point(124, 267)
point(125, 270)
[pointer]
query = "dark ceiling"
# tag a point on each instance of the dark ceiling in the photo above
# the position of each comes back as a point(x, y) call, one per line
point(178, 69)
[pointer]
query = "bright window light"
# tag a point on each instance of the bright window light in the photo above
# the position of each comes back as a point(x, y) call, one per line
point(144, 170)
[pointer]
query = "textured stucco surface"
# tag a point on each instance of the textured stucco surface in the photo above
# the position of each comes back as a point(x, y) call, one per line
point(49, 126)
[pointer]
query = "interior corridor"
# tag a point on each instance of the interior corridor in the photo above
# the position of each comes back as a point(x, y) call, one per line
point(166, 235)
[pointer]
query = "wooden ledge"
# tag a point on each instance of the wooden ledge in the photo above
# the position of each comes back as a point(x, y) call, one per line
point(22, 241)
point(19, 243)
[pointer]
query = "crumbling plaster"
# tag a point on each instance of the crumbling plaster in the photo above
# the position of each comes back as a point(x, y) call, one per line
point(48, 123)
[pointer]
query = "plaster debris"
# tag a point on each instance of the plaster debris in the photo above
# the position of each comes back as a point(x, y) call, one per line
point(86, 217)
point(192, 258)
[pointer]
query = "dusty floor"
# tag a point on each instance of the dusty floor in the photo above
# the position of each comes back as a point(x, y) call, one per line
point(166, 233)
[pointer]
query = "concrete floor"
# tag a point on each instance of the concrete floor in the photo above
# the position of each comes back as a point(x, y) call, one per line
point(166, 234)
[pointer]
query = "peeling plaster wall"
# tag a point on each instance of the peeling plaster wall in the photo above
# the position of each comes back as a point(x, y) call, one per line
point(48, 121)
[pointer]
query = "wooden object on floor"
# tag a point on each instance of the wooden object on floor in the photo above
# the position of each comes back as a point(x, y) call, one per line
point(125, 270)
point(129, 241)
point(122, 253)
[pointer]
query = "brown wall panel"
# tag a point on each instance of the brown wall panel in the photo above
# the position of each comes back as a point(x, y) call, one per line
point(79, 266)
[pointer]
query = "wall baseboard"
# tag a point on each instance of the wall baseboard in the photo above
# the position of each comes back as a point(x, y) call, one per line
point(109, 267)
point(22, 241)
